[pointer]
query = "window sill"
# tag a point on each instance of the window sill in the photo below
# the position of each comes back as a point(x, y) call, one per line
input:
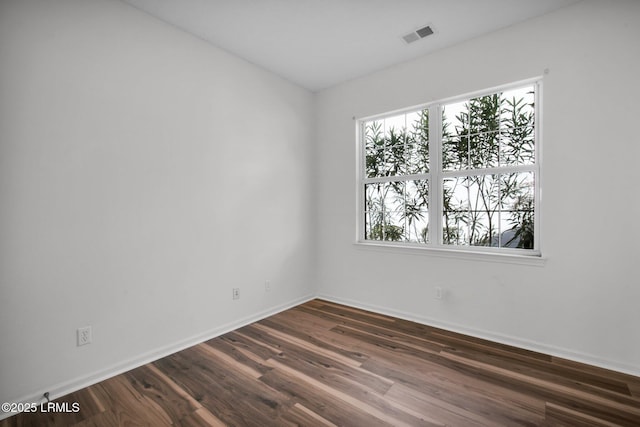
point(461, 254)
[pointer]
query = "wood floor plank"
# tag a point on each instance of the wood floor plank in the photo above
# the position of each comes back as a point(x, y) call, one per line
point(445, 413)
point(545, 363)
point(249, 346)
point(325, 364)
point(627, 413)
point(234, 397)
point(103, 419)
point(201, 418)
point(595, 370)
point(448, 337)
point(304, 320)
point(319, 338)
point(634, 388)
point(391, 334)
point(315, 362)
point(301, 415)
point(558, 414)
point(343, 316)
point(128, 405)
point(393, 348)
point(235, 360)
point(154, 385)
point(315, 347)
point(324, 404)
point(371, 404)
point(441, 391)
point(354, 313)
point(616, 391)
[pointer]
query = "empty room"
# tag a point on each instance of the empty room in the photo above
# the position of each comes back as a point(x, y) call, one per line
point(331, 213)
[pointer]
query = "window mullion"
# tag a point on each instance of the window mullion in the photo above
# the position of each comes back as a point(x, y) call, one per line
point(489, 171)
point(435, 169)
point(394, 178)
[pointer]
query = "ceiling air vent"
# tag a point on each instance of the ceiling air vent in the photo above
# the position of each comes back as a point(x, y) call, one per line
point(418, 34)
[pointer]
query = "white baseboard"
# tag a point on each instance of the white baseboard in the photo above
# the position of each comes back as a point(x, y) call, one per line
point(491, 336)
point(59, 390)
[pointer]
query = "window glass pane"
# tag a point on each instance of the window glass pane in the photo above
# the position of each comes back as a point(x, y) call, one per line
point(384, 211)
point(455, 152)
point(519, 101)
point(456, 135)
point(373, 212)
point(395, 135)
point(418, 152)
point(374, 148)
point(397, 145)
point(517, 146)
point(484, 113)
point(471, 210)
point(397, 211)
point(394, 211)
point(484, 150)
point(455, 211)
point(394, 124)
point(482, 191)
point(517, 127)
point(416, 213)
point(455, 118)
point(480, 231)
point(395, 154)
point(517, 210)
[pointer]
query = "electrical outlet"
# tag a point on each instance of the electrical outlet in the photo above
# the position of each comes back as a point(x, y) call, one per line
point(84, 336)
point(439, 292)
point(236, 293)
point(267, 285)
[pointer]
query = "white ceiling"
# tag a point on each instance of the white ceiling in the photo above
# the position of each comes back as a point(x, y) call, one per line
point(320, 43)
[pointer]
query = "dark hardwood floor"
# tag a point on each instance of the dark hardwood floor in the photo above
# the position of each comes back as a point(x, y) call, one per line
point(325, 364)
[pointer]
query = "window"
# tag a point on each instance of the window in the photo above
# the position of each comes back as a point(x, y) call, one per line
point(459, 174)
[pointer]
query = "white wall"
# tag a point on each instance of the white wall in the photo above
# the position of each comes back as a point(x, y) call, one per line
point(143, 174)
point(584, 301)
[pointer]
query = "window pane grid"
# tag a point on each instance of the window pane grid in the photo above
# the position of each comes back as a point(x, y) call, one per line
point(397, 211)
point(485, 173)
point(489, 210)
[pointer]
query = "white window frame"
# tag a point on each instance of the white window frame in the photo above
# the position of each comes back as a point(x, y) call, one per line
point(437, 175)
